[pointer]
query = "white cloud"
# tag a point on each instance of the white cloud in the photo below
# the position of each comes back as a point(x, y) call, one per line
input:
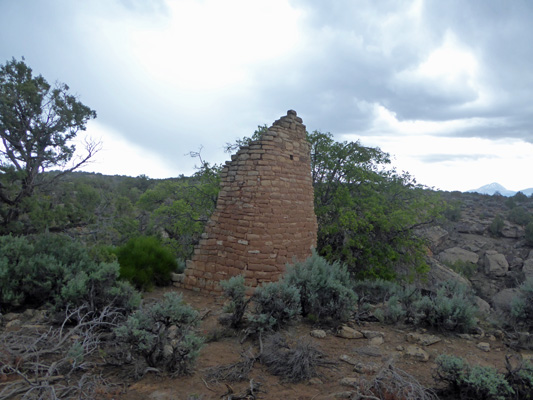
point(211, 45)
point(449, 163)
point(168, 76)
point(119, 156)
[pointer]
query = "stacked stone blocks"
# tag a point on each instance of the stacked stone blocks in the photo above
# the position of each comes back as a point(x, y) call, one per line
point(264, 217)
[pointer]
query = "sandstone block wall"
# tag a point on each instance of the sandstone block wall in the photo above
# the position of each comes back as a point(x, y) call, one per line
point(264, 217)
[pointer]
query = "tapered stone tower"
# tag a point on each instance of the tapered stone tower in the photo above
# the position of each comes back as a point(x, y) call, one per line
point(264, 216)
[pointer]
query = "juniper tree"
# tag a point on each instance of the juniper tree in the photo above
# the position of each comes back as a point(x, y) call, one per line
point(38, 122)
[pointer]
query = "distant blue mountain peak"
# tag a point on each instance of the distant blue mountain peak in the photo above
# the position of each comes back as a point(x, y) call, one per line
point(493, 188)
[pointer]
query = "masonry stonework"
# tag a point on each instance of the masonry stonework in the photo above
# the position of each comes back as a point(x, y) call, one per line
point(264, 216)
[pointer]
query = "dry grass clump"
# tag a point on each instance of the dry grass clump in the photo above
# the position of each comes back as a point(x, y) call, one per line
point(392, 383)
point(296, 363)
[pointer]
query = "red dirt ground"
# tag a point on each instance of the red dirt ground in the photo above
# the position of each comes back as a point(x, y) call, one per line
point(228, 349)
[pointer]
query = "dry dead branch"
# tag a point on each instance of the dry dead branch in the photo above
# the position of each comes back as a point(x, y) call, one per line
point(52, 363)
point(392, 382)
point(295, 363)
point(235, 372)
point(251, 392)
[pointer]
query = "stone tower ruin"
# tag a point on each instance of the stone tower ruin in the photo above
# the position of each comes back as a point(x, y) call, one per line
point(264, 216)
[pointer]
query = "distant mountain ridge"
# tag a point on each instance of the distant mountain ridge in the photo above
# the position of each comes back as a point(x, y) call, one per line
point(493, 188)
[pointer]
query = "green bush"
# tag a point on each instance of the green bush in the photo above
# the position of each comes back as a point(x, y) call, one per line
point(520, 197)
point(235, 289)
point(463, 268)
point(98, 286)
point(145, 262)
point(486, 383)
point(56, 270)
point(477, 382)
point(162, 334)
point(375, 291)
point(275, 305)
point(496, 226)
point(521, 379)
point(393, 312)
point(325, 289)
point(450, 309)
point(529, 234)
point(522, 306)
point(519, 215)
point(452, 211)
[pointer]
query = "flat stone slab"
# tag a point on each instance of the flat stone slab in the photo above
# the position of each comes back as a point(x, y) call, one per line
point(318, 333)
point(422, 339)
point(347, 332)
point(417, 353)
point(347, 359)
point(371, 351)
point(372, 334)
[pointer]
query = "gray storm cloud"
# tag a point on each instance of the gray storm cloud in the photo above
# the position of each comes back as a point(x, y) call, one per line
point(350, 58)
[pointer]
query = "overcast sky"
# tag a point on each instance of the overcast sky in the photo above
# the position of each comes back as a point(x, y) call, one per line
point(446, 87)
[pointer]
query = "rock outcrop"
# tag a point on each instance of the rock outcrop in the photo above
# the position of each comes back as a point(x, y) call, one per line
point(457, 254)
point(495, 264)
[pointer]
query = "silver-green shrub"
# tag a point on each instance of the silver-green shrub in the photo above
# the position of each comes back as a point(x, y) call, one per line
point(163, 335)
point(472, 382)
point(326, 293)
point(235, 289)
point(276, 304)
point(521, 379)
point(375, 291)
point(522, 306)
point(451, 309)
point(56, 270)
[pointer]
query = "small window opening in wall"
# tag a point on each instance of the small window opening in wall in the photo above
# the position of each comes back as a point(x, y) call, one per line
point(292, 157)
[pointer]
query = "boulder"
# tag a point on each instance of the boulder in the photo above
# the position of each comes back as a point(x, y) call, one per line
point(347, 359)
point(318, 333)
point(435, 235)
point(416, 353)
point(377, 341)
point(422, 339)
point(483, 346)
point(370, 351)
point(486, 287)
point(513, 231)
point(515, 262)
point(457, 254)
point(11, 316)
point(495, 264)
point(482, 306)
point(527, 268)
point(366, 368)
point(471, 227)
point(177, 278)
point(372, 334)
point(502, 300)
point(347, 332)
point(14, 324)
point(348, 381)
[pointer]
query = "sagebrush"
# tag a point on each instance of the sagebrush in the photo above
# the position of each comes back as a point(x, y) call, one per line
point(326, 293)
point(163, 335)
point(57, 270)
